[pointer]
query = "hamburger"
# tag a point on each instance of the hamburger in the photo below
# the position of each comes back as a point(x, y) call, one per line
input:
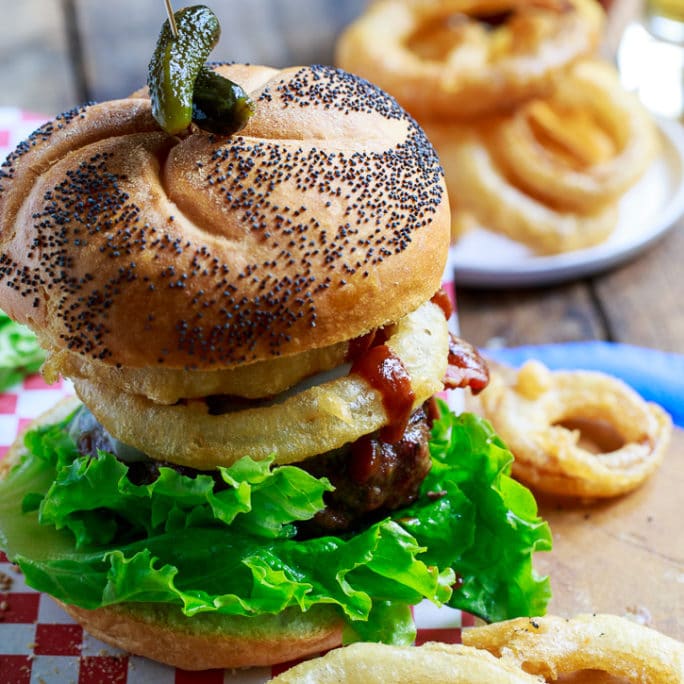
point(255, 468)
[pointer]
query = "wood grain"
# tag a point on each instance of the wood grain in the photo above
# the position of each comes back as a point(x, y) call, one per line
point(643, 301)
point(36, 72)
point(624, 556)
point(273, 32)
point(534, 316)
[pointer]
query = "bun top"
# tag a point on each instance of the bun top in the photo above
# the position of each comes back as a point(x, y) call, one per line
point(322, 219)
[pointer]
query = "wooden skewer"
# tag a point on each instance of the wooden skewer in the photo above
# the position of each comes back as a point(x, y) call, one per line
point(172, 18)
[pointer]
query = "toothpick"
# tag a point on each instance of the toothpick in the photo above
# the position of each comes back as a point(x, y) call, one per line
point(172, 18)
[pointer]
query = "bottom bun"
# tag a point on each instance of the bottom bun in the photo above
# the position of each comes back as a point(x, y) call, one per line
point(209, 641)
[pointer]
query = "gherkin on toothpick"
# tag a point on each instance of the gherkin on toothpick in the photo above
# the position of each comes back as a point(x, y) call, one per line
point(172, 18)
point(182, 89)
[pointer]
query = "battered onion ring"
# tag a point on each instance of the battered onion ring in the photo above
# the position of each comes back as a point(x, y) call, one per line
point(439, 61)
point(528, 412)
point(478, 186)
point(553, 646)
point(577, 175)
point(311, 422)
point(168, 385)
point(365, 663)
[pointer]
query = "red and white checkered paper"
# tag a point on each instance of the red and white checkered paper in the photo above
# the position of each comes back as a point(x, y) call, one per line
point(15, 126)
point(39, 642)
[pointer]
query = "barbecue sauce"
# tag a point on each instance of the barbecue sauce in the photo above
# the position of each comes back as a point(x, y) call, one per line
point(443, 301)
point(466, 367)
point(360, 345)
point(385, 372)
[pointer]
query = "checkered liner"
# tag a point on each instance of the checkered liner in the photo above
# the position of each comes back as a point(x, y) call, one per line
point(39, 642)
point(15, 126)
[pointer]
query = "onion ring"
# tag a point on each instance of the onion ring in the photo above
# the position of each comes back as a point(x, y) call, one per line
point(311, 422)
point(552, 646)
point(581, 147)
point(479, 187)
point(528, 413)
point(168, 385)
point(438, 60)
point(365, 663)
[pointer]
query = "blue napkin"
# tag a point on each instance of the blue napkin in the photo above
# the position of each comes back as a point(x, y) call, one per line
point(657, 376)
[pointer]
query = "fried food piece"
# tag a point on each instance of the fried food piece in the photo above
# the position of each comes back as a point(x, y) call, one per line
point(552, 646)
point(313, 421)
point(521, 650)
point(465, 58)
point(581, 147)
point(365, 663)
point(536, 410)
point(550, 174)
point(480, 190)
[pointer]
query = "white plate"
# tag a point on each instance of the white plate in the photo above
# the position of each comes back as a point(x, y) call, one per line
point(647, 211)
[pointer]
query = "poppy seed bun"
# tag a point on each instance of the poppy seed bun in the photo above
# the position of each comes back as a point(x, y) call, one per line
point(324, 218)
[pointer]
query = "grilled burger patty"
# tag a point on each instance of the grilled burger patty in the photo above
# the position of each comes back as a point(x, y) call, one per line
point(371, 476)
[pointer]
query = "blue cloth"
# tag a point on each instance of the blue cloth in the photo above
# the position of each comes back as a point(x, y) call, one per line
point(657, 376)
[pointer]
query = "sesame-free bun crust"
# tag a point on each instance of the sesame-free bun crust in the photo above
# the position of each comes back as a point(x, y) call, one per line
point(322, 219)
point(207, 641)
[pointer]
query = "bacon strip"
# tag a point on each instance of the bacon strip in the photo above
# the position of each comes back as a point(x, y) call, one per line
point(466, 367)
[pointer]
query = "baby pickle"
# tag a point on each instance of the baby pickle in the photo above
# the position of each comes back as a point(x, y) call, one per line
point(176, 62)
point(219, 105)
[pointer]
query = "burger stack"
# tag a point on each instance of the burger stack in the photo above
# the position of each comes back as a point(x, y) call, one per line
point(254, 326)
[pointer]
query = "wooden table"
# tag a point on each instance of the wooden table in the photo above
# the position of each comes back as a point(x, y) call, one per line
point(56, 53)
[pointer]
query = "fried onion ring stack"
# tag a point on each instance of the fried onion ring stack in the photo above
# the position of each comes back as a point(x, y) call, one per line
point(543, 161)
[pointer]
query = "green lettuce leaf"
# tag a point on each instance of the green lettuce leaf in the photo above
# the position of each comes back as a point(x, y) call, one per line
point(20, 353)
point(95, 499)
point(82, 531)
point(493, 517)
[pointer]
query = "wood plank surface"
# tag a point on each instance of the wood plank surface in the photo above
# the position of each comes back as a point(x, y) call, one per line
point(644, 301)
point(35, 71)
point(532, 316)
point(273, 32)
point(624, 556)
